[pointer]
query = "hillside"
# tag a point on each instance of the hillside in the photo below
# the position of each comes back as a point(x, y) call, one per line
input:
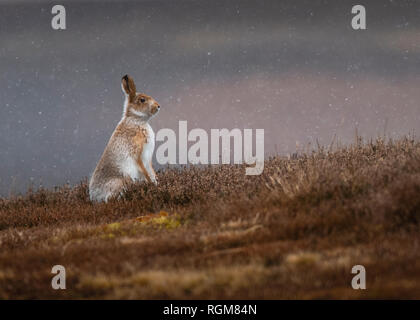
point(293, 232)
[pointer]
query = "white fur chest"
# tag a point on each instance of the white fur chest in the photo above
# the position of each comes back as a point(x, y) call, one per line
point(149, 146)
point(130, 168)
point(128, 165)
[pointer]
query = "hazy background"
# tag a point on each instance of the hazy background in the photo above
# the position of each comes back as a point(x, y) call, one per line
point(294, 68)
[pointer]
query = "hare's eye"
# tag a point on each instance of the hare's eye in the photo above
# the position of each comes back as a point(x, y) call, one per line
point(142, 100)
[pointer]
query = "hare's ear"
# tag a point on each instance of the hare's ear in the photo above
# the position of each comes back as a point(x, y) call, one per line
point(128, 86)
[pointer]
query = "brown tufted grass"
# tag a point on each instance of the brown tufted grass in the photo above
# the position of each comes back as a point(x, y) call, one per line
point(293, 232)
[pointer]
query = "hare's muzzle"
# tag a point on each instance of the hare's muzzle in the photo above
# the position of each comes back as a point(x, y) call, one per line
point(155, 108)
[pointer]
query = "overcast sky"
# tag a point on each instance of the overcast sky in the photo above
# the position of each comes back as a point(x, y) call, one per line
point(294, 68)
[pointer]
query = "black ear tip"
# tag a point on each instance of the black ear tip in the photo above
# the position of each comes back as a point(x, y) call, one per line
point(125, 77)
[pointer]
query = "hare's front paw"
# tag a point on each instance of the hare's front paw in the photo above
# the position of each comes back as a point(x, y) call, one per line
point(153, 179)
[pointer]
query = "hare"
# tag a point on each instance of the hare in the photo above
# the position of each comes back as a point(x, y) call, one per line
point(128, 156)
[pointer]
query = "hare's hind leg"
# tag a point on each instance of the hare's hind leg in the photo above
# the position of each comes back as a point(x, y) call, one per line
point(115, 187)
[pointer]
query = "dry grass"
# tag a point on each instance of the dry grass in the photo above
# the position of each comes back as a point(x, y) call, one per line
point(293, 232)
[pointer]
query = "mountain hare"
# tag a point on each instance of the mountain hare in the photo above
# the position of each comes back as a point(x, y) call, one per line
point(128, 155)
